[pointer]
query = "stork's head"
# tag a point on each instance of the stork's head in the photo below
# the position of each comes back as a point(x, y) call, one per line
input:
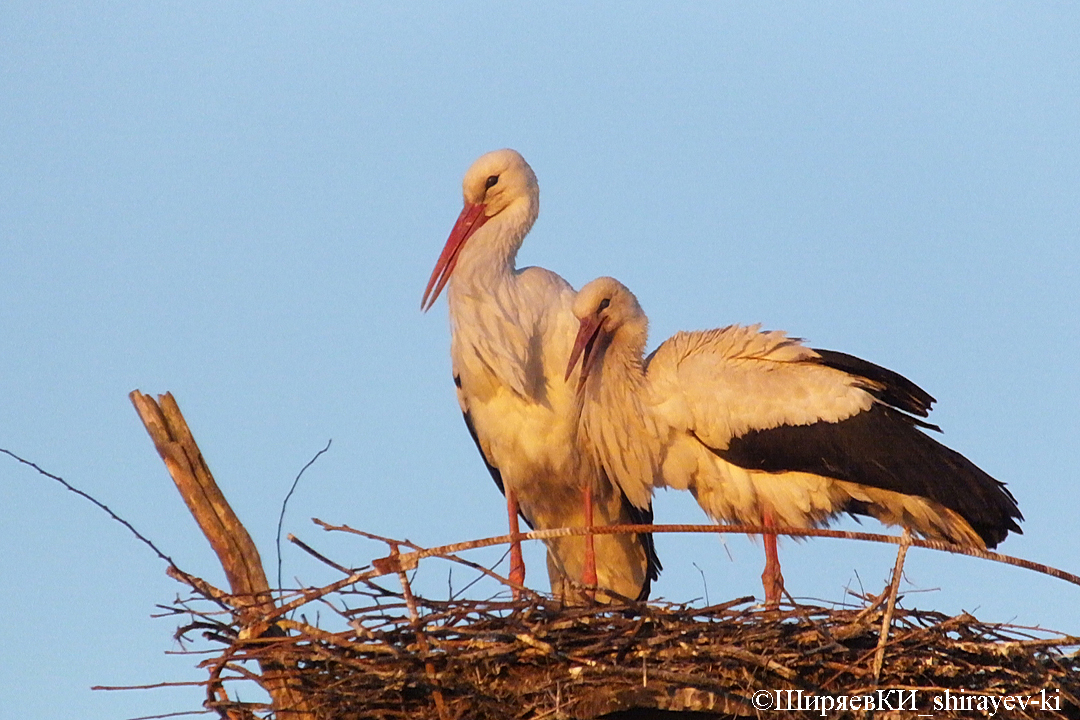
point(607, 312)
point(499, 187)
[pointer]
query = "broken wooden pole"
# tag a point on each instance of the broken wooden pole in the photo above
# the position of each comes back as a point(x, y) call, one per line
point(251, 597)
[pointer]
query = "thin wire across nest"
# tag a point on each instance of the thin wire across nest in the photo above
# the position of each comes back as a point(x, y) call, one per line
point(403, 656)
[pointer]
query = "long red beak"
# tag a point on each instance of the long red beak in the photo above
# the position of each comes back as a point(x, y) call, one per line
point(470, 220)
point(584, 344)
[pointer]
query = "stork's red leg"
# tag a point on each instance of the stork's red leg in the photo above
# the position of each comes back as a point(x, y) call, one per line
point(771, 578)
point(589, 577)
point(517, 562)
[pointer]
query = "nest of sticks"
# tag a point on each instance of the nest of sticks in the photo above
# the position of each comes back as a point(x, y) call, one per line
point(387, 653)
point(402, 656)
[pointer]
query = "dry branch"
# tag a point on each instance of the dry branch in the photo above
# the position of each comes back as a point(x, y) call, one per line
point(230, 541)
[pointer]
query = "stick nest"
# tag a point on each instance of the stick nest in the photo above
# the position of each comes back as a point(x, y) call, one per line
point(407, 657)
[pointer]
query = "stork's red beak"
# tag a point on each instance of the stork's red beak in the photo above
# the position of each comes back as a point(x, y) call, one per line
point(584, 345)
point(470, 220)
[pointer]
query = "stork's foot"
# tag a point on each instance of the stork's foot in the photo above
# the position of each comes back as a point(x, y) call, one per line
point(588, 577)
point(773, 582)
point(517, 568)
point(771, 578)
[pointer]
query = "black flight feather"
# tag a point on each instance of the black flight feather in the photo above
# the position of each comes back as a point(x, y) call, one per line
point(887, 386)
point(640, 516)
point(883, 448)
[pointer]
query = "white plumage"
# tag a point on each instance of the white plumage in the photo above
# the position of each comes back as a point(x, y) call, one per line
point(512, 332)
point(762, 429)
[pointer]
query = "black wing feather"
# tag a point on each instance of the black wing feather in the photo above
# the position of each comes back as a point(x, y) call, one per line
point(884, 448)
point(887, 386)
point(644, 516)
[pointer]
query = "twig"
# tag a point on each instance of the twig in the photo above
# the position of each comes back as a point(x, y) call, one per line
point(894, 589)
point(704, 584)
point(447, 556)
point(410, 601)
point(821, 629)
point(317, 555)
point(421, 639)
point(172, 715)
point(340, 568)
point(874, 603)
point(86, 496)
point(152, 686)
point(285, 502)
point(200, 586)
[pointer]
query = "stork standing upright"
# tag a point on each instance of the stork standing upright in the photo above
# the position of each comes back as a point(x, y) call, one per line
point(511, 335)
point(762, 429)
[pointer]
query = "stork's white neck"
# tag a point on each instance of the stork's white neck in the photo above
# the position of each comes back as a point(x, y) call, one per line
point(511, 327)
point(491, 253)
point(614, 416)
point(618, 374)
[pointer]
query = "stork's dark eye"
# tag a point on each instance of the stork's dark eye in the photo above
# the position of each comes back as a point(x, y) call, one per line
point(604, 304)
point(491, 181)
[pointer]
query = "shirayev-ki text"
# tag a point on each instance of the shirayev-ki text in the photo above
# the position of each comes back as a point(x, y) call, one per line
point(923, 703)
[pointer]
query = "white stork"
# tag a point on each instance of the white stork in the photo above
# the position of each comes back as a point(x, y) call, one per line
point(512, 332)
point(762, 429)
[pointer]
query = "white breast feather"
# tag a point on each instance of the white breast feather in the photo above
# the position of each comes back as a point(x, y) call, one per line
point(512, 365)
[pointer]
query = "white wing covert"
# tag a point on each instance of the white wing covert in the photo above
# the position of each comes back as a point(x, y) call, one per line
point(721, 384)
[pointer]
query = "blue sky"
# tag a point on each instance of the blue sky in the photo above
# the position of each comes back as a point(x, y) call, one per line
point(242, 205)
